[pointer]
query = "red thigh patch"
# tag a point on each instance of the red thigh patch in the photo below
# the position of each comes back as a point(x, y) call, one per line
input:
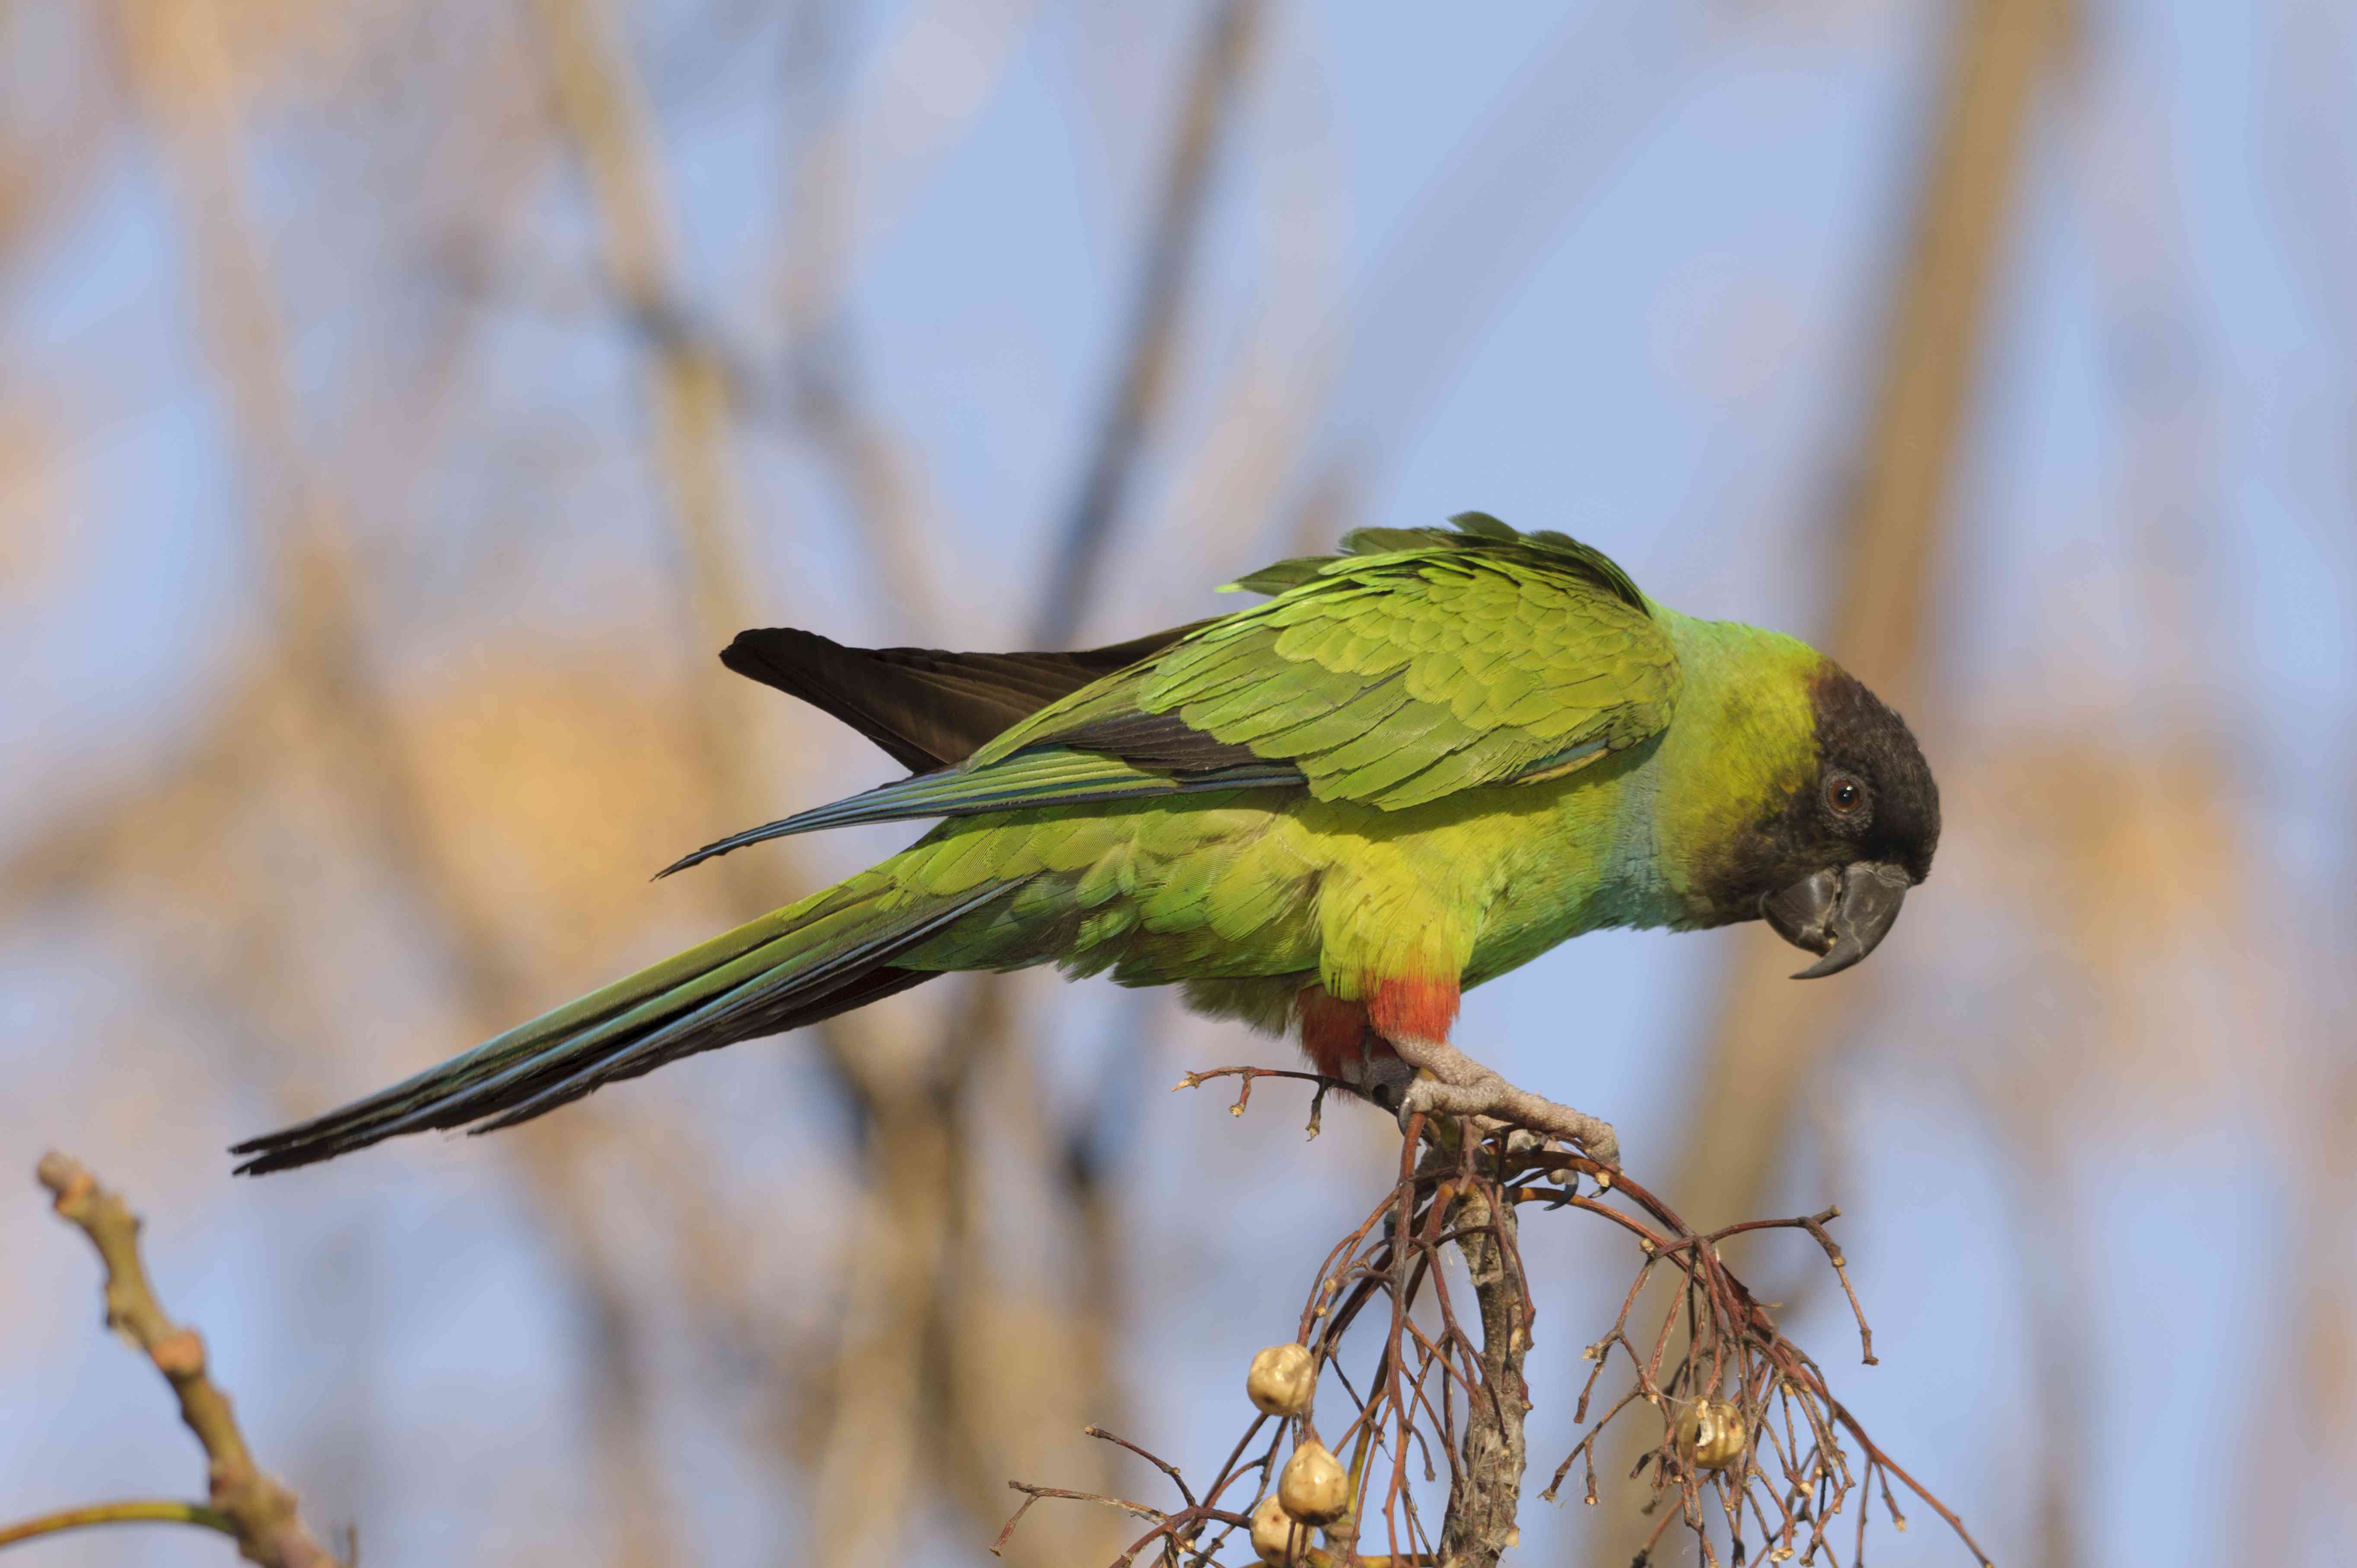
point(1335, 1034)
point(1419, 1009)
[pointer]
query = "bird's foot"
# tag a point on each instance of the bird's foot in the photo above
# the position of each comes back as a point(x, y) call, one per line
point(1483, 1092)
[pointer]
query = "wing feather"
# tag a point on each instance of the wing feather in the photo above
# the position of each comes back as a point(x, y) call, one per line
point(1496, 654)
point(1420, 664)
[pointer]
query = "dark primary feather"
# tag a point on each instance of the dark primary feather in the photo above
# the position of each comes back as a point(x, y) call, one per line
point(928, 707)
point(1161, 741)
point(1058, 776)
point(763, 978)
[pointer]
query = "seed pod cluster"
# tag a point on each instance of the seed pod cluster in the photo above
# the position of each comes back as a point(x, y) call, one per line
point(1313, 1486)
point(1283, 1378)
point(1277, 1534)
point(1710, 1435)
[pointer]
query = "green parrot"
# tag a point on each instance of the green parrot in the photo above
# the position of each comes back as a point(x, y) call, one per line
point(1418, 764)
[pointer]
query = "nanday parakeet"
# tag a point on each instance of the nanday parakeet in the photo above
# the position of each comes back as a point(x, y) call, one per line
point(1416, 766)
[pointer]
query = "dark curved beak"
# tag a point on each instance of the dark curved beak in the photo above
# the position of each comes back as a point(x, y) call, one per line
point(1842, 914)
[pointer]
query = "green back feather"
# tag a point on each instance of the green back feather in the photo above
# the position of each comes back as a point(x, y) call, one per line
point(1418, 664)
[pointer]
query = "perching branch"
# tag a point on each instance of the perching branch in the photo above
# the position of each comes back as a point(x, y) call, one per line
point(252, 1507)
point(1479, 1525)
point(1754, 1456)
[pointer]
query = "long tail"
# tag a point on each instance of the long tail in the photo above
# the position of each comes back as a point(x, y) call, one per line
point(833, 951)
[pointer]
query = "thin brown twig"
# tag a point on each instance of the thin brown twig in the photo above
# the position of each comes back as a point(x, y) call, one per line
point(1162, 1464)
point(1437, 1392)
point(1814, 1226)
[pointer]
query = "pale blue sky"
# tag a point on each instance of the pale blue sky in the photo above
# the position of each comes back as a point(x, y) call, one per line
point(1658, 336)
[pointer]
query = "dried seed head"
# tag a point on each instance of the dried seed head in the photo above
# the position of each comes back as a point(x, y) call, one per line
point(1283, 1378)
point(1313, 1487)
point(1275, 1532)
point(1710, 1435)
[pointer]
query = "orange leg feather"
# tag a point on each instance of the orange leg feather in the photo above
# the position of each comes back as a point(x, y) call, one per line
point(1340, 1037)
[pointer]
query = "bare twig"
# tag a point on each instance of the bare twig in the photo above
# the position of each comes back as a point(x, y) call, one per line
point(253, 1508)
point(1435, 1397)
point(342, 697)
point(159, 1510)
point(600, 104)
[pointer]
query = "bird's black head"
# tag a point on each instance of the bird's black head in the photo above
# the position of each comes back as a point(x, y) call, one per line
point(1848, 844)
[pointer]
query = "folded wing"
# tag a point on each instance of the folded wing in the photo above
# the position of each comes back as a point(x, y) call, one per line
point(1420, 664)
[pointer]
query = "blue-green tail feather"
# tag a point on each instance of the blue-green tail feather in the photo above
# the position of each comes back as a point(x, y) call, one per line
point(1049, 776)
point(799, 965)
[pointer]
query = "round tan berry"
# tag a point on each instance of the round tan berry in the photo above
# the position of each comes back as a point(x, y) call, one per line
point(1282, 1378)
point(1276, 1533)
point(1313, 1486)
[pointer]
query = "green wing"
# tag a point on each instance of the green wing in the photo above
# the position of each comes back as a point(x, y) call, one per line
point(1421, 663)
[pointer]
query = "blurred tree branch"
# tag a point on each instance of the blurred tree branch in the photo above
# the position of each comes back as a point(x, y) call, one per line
point(45, 167)
point(603, 112)
point(2307, 1442)
point(338, 691)
point(255, 1510)
point(910, 1361)
point(979, 1034)
point(928, 1350)
point(1206, 103)
point(876, 475)
point(940, 1091)
point(877, 1378)
point(1471, 235)
point(1768, 1033)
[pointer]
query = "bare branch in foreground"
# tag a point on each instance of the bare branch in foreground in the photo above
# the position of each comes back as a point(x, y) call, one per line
point(252, 1507)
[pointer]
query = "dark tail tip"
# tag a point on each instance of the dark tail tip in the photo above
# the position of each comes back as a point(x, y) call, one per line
point(720, 847)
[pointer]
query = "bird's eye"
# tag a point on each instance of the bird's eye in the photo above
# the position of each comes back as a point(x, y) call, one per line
point(1844, 794)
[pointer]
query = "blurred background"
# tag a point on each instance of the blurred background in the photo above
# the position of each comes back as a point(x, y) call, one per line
point(401, 401)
